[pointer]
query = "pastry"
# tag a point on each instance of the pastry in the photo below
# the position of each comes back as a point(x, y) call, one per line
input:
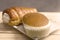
point(35, 20)
point(15, 15)
point(36, 25)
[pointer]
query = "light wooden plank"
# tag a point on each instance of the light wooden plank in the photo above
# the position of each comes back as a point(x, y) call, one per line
point(5, 36)
point(52, 37)
point(9, 33)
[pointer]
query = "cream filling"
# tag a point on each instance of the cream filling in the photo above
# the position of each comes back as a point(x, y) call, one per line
point(37, 28)
point(6, 18)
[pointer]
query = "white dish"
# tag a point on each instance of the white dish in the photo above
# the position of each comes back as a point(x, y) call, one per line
point(52, 28)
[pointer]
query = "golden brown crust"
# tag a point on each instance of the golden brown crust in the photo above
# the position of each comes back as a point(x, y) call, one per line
point(35, 19)
point(14, 18)
point(22, 10)
point(16, 14)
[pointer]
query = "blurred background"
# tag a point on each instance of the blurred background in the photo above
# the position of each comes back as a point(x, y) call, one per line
point(41, 5)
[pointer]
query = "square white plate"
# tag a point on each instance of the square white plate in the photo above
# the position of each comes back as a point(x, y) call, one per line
point(54, 18)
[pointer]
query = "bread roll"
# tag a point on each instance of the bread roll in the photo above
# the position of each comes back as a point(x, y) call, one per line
point(36, 25)
point(35, 20)
point(15, 15)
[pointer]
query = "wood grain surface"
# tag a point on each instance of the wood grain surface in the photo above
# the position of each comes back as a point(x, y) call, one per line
point(9, 33)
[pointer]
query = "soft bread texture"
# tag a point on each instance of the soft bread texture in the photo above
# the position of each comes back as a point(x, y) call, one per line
point(35, 20)
point(16, 14)
point(36, 25)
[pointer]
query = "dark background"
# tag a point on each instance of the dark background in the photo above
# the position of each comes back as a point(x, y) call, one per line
point(41, 5)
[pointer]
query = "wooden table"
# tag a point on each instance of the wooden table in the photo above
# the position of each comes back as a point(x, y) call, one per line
point(9, 33)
